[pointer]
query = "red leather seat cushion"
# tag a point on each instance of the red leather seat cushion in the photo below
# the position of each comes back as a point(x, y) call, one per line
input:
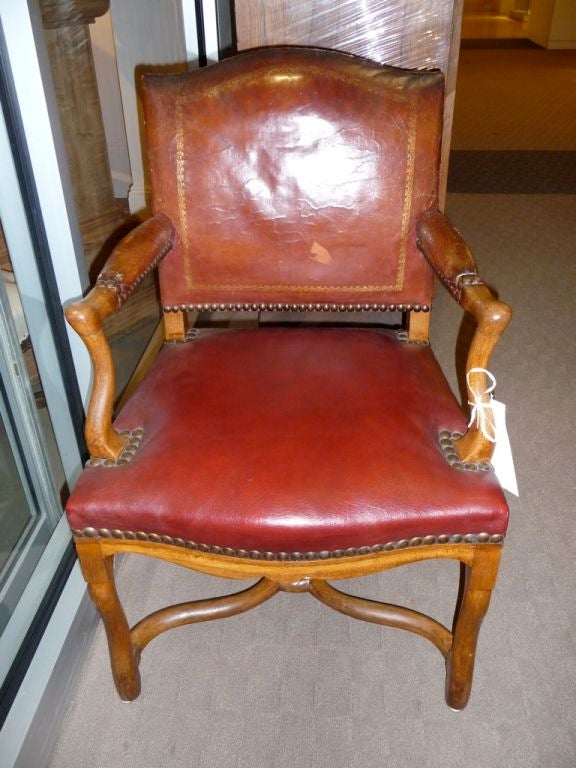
point(291, 440)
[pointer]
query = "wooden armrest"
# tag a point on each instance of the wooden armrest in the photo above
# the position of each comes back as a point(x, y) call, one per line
point(448, 254)
point(132, 259)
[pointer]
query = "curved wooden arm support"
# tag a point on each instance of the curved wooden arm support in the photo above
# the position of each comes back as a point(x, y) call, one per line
point(134, 257)
point(449, 256)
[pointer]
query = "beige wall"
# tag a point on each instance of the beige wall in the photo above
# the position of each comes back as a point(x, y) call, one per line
point(148, 35)
point(473, 7)
point(563, 30)
point(553, 23)
point(104, 53)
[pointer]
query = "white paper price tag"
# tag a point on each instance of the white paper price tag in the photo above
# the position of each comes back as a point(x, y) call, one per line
point(490, 418)
point(502, 460)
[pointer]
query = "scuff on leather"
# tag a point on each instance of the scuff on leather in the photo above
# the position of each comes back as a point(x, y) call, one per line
point(320, 254)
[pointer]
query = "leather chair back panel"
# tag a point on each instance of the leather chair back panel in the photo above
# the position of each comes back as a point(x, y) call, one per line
point(295, 178)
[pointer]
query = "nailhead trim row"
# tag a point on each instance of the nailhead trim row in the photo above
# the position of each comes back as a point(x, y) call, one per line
point(134, 439)
point(450, 454)
point(264, 307)
point(153, 264)
point(469, 538)
point(115, 280)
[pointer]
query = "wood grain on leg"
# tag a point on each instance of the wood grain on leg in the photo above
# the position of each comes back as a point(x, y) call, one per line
point(479, 580)
point(99, 574)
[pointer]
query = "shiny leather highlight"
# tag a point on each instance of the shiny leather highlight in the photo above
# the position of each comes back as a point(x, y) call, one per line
point(291, 440)
point(294, 176)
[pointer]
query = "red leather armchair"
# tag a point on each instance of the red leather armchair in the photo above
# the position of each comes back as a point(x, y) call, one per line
point(293, 180)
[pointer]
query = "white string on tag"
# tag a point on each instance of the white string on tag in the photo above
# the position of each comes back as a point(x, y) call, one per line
point(490, 418)
point(482, 413)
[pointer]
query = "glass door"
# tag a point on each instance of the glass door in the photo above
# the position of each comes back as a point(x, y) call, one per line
point(32, 481)
point(40, 403)
point(17, 509)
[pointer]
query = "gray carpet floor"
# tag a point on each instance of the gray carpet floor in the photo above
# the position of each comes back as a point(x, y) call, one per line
point(293, 683)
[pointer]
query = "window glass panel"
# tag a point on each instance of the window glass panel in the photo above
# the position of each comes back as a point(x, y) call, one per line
point(16, 512)
point(32, 481)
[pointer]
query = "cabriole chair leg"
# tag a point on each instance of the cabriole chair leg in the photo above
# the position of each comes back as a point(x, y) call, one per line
point(99, 574)
point(478, 582)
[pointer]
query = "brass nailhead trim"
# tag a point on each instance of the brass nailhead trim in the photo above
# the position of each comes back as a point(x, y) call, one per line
point(450, 454)
point(417, 541)
point(134, 439)
point(265, 307)
point(115, 280)
point(153, 264)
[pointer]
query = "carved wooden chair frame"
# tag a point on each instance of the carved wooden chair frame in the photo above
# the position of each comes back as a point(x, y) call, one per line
point(479, 553)
point(308, 572)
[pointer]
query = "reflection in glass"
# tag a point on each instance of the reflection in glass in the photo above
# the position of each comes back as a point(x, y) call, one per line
point(15, 511)
point(32, 479)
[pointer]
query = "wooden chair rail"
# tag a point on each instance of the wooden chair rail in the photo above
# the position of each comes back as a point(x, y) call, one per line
point(92, 550)
point(384, 613)
point(200, 610)
point(229, 605)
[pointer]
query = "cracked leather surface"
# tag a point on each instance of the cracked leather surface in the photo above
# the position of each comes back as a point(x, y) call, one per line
point(294, 176)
